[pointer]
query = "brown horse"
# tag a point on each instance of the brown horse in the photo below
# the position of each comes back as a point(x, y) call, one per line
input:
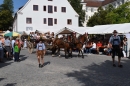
point(78, 43)
point(59, 43)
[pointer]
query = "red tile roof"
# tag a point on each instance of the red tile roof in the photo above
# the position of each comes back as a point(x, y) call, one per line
point(97, 3)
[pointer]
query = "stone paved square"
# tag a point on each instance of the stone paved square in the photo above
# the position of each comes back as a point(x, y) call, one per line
point(93, 70)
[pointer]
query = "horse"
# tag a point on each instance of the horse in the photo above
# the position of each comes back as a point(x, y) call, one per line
point(78, 43)
point(30, 46)
point(48, 44)
point(59, 43)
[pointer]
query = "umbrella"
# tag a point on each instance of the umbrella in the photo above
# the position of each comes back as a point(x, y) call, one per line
point(12, 34)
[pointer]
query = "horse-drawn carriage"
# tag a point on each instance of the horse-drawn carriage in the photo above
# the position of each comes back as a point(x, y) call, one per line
point(71, 44)
point(55, 44)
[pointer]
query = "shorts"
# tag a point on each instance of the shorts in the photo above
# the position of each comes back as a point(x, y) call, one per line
point(8, 49)
point(40, 53)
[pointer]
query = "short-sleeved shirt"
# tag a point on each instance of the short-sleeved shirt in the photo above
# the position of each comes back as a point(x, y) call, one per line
point(16, 48)
point(13, 41)
point(99, 44)
point(94, 45)
point(115, 40)
point(7, 42)
point(40, 46)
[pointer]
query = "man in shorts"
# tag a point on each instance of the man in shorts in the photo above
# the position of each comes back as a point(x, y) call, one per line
point(40, 53)
point(115, 43)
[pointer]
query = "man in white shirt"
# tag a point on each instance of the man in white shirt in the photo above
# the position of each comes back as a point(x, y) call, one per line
point(40, 53)
point(93, 47)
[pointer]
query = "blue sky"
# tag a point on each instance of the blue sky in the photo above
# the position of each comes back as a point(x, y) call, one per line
point(17, 3)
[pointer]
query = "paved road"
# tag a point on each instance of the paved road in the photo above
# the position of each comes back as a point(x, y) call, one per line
point(93, 70)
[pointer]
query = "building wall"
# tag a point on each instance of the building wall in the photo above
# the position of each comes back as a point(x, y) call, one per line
point(37, 16)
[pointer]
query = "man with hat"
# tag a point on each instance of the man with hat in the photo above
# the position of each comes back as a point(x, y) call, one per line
point(115, 43)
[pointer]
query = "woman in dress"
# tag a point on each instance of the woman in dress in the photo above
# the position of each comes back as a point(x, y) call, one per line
point(25, 44)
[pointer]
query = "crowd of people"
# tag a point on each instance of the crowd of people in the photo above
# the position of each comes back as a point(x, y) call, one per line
point(101, 47)
point(10, 48)
point(37, 36)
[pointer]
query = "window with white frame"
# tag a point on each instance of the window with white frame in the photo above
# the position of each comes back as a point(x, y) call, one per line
point(69, 21)
point(44, 21)
point(44, 8)
point(50, 21)
point(29, 20)
point(50, 9)
point(29, 28)
point(35, 7)
point(92, 10)
point(63, 9)
point(86, 9)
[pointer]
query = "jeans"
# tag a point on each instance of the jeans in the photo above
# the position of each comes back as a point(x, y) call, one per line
point(16, 56)
point(90, 50)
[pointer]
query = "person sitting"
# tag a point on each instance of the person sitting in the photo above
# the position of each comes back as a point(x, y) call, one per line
point(93, 47)
point(88, 46)
point(108, 50)
point(99, 45)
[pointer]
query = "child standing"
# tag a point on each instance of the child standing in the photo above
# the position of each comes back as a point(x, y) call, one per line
point(16, 52)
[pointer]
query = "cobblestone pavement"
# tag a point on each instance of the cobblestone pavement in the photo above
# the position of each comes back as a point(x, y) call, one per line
point(93, 70)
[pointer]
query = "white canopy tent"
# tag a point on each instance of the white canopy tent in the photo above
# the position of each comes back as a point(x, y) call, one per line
point(108, 29)
point(121, 28)
point(98, 29)
point(68, 30)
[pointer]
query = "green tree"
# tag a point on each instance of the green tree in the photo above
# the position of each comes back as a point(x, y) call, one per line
point(98, 18)
point(120, 14)
point(4, 7)
point(6, 20)
point(77, 6)
point(9, 3)
point(111, 15)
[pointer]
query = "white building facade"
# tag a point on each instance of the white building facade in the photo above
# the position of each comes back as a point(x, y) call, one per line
point(93, 5)
point(45, 15)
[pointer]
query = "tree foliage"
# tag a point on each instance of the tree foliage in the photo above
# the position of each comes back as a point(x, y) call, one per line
point(111, 15)
point(77, 6)
point(9, 3)
point(6, 18)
